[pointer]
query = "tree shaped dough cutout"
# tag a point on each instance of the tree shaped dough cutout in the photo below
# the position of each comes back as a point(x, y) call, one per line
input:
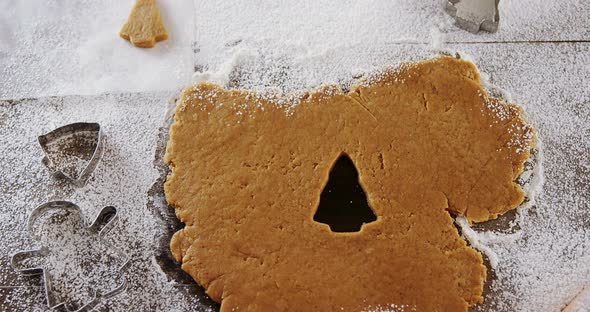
point(343, 202)
point(427, 141)
point(144, 26)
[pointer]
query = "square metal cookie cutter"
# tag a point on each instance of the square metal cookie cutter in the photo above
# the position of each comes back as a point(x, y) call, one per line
point(475, 15)
point(102, 224)
point(74, 136)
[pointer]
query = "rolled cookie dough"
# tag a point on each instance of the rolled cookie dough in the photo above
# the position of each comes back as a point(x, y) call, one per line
point(426, 139)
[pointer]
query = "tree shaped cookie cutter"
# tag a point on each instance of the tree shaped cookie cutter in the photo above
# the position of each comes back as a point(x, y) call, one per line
point(78, 138)
point(475, 15)
point(102, 224)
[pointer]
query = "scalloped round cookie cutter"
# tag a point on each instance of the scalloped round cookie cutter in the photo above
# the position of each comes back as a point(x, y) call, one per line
point(475, 15)
point(102, 224)
point(72, 130)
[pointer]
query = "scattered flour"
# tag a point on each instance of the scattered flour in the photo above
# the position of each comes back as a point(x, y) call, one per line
point(302, 44)
point(61, 47)
point(540, 258)
point(122, 179)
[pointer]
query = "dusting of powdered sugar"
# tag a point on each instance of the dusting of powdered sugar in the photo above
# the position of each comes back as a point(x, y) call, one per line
point(62, 47)
point(302, 44)
point(390, 308)
point(531, 181)
point(540, 255)
point(79, 262)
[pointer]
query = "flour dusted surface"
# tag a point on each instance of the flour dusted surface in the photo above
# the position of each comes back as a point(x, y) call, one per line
point(122, 179)
point(542, 270)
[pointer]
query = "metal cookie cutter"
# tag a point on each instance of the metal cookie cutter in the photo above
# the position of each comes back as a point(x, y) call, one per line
point(475, 15)
point(103, 223)
point(73, 151)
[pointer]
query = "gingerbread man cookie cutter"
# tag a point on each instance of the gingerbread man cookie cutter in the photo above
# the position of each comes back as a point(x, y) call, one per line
point(74, 145)
point(475, 15)
point(102, 224)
